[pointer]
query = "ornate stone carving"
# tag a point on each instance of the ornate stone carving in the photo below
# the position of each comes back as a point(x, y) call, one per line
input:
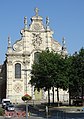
point(56, 46)
point(9, 62)
point(18, 46)
point(36, 11)
point(37, 26)
point(37, 40)
point(17, 87)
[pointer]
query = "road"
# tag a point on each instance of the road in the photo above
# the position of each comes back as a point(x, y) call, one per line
point(78, 116)
point(56, 116)
point(54, 113)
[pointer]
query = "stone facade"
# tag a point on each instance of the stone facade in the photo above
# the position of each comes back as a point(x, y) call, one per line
point(35, 38)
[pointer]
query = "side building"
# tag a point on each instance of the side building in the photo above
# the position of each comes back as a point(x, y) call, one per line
point(20, 56)
point(2, 81)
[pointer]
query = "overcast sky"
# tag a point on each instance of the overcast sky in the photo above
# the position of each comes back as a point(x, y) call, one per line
point(66, 20)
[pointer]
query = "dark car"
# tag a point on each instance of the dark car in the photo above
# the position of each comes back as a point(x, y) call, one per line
point(78, 102)
point(8, 103)
point(10, 107)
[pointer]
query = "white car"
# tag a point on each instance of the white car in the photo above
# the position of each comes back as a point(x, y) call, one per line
point(4, 101)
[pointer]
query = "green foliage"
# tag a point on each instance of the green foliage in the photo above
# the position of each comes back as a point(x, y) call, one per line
point(41, 71)
point(49, 71)
point(76, 73)
point(59, 74)
point(52, 70)
point(1, 112)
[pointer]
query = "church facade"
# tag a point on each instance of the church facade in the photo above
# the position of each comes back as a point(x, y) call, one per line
point(20, 56)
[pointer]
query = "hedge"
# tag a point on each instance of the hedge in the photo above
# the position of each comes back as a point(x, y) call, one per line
point(1, 111)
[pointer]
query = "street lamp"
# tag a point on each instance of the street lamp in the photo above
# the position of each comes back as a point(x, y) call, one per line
point(25, 70)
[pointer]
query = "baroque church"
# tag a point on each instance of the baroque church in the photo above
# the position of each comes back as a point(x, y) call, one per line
point(20, 56)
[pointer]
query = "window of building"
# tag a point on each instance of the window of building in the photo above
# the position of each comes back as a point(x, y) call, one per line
point(36, 55)
point(17, 70)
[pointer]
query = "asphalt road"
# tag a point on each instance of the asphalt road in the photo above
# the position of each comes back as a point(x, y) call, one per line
point(54, 113)
point(56, 116)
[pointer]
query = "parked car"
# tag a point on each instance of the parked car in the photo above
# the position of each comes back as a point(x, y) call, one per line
point(4, 101)
point(78, 102)
point(10, 107)
point(7, 103)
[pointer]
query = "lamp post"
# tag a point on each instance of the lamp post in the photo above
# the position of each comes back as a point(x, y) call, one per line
point(26, 110)
point(25, 70)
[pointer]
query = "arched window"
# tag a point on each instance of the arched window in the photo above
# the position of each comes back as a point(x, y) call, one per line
point(17, 70)
point(36, 55)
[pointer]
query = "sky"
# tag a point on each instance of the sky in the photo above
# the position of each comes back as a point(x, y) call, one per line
point(66, 20)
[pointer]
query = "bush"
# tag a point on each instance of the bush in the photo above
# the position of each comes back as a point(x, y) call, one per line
point(1, 111)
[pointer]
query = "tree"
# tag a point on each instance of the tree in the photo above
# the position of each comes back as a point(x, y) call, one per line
point(81, 71)
point(41, 72)
point(76, 74)
point(49, 72)
point(58, 73)
point(70, 77)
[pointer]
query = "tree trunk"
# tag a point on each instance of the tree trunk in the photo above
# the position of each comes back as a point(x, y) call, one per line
point(69, 99)
point(57, 96)
point(48, 96)
point(53, 94)
point(69, 96)
point(82, 96)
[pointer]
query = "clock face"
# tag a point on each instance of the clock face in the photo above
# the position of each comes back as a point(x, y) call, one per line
point(17, 87)
point(37, 26)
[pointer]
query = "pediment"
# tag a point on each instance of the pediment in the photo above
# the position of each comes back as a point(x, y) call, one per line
point(36, 26)
point(18, 46)
point(56, 46)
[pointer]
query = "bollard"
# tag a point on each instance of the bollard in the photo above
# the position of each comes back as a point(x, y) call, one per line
point(47, 112)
